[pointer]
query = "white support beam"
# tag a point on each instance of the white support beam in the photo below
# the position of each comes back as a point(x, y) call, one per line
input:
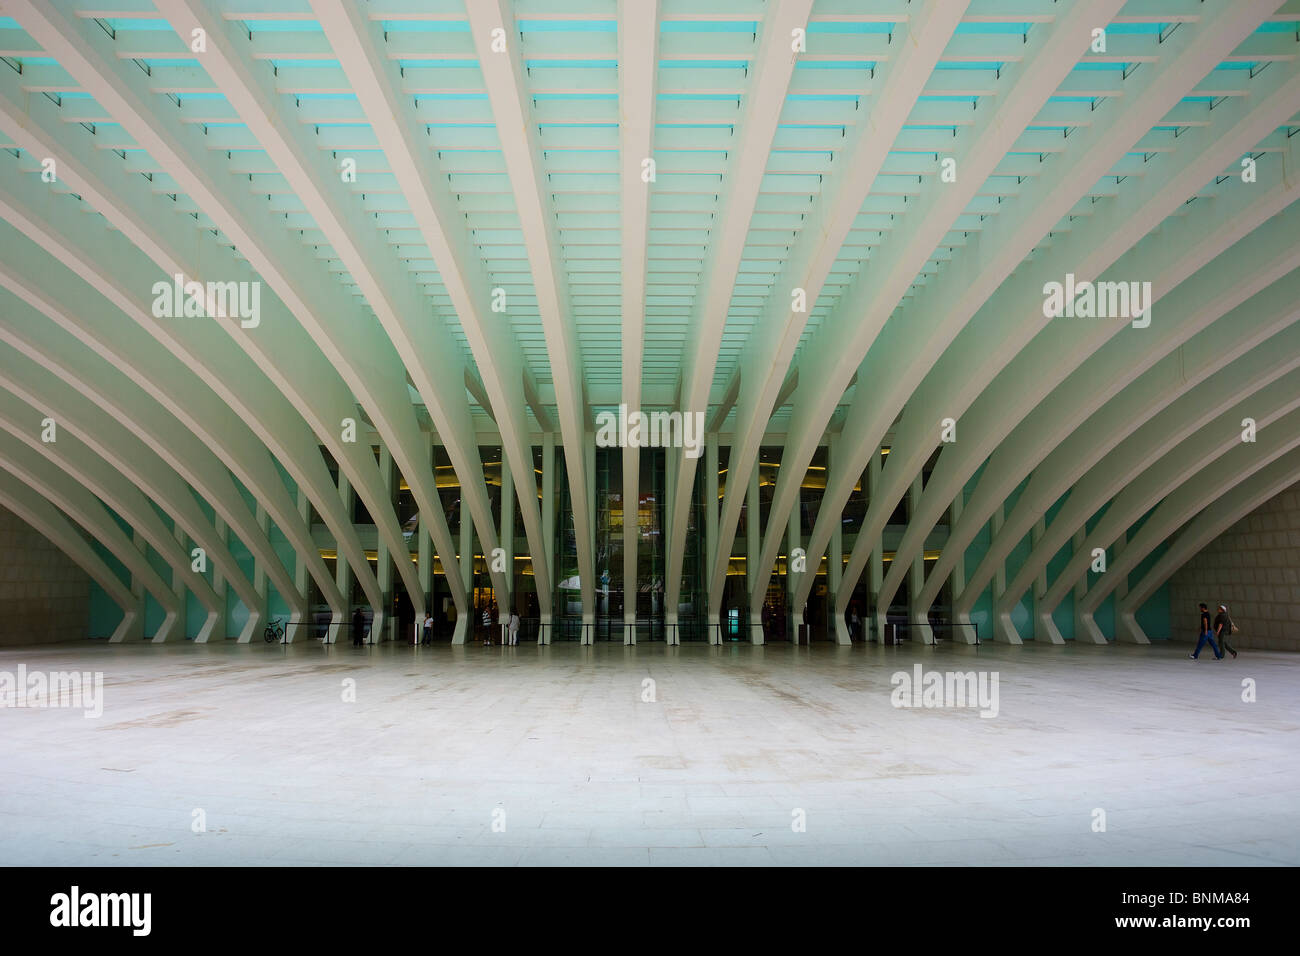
point(63, 232)
point(1017, 412)
point(418, 335)
point(34, 469)
point(1017, 306)
point(182, 449)
point(38, 512)
point(149, 455)
point(1098, 362)
point(88, 53)
point(638, 45)
point(1217, 517)
point(375, 79)
point(771, 347)
point(1280, 441)
point(209, 353)
point(77, 462)
point(1180, 480)
point(1259, 342)
point(503, 75)
point(773, 68)
point(845, 338)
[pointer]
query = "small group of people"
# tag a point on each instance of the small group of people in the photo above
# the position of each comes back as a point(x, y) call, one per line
point(1221, 628)
point(490, 621)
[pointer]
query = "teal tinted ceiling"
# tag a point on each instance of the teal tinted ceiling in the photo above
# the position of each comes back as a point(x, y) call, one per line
point(708, 60)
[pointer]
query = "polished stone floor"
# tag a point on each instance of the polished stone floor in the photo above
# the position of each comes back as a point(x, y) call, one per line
point(531, 755)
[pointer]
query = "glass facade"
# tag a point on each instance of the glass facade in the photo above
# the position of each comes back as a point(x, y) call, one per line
point(651, 513)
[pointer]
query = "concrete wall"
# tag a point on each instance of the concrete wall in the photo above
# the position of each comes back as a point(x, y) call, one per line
point(1254, 568)
point(44, 597)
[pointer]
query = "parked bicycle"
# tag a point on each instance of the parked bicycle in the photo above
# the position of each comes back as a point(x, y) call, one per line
point(274, 632)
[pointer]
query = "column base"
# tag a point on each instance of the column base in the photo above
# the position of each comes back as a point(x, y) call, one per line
point(130, 628)
point(213, 629)
point(1086, 630)
point(839, 631)
point(256, 621)
point(964, 632)
point(291, 627)
point(335, 626)
point(1129, 631)
point(1004, 629)
point(922, 632)
point(461, 631)
point(166, 628)
point(1045, 629)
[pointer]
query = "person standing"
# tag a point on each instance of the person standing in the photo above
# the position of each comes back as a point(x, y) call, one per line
point(855, 625)
point(487, 626)
point(1222, 628)
point(428, 629)
point(514, 627)
point(357, 623)
point(1206, 637)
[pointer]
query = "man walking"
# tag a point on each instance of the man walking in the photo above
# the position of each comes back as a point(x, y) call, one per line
point(1222, 628)
point(1206, 637)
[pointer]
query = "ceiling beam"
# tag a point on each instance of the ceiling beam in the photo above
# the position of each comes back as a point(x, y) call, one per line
point(286, 266)
point(773, 66)
point(1011, 408)
point(638, 43)
point(121, 273)
point(420, 341)
point(503, 75)
point(837, 349)
point(920, 336)
point(360, 48)
point(777, 334)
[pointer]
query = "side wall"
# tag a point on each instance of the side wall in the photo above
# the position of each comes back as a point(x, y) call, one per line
point(44, 596)
point(1254, 568)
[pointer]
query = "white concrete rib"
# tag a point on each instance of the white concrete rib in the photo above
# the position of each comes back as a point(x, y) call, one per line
point(638, 44)
point(76, 461)
point(420, 339)
point(37, 511)
point(375, 79)
point(365, 360)
point(860, 324)
point(773, 68)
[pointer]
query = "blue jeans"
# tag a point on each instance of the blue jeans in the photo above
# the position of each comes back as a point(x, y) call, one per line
point(1208, 636)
